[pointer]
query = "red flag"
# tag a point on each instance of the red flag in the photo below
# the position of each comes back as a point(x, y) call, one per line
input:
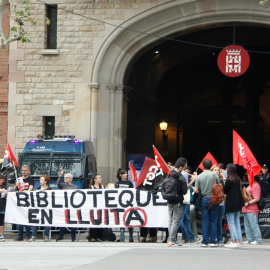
point(160, 162)
point(209, 156)
point(133, 173)
point(9, 155)
point(147, 174)
point(244, 157)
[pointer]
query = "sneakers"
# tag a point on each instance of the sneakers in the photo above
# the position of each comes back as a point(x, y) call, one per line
point(193, 242)
point(2, 239)
point(131, 239)
point(232, 245)
point(99, 240)
point(73, 239)
point(213, 245)
point(46, 239)
point(204, 245)
point(220, 244)
point(59, 239)
point(255, 243)
point(18, 239)
point(32, 239)
point(174, 243)
point(246, 242)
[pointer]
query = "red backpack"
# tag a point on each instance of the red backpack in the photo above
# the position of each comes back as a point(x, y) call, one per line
point(217, 196)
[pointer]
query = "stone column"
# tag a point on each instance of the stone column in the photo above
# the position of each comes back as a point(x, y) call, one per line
point(126, 90)
point(118, 125)
point(112, 149)
point(93, 114)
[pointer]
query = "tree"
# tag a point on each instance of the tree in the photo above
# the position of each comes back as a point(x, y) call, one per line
point(263, 2)
point(20, 16)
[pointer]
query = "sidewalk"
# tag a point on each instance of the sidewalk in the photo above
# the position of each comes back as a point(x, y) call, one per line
point(9, 236)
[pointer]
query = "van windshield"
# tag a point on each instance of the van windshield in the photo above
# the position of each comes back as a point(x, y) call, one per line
point(52, 166)
point(70, 165)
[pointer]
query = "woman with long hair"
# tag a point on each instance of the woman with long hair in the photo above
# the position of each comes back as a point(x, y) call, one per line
point(95, 234)
point(44, 186)
point(122, 182)
point(222, 180)
point(233, 205)
point(251, 212)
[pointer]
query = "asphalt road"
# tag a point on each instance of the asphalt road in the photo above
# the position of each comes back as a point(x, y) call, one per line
point(122, 256)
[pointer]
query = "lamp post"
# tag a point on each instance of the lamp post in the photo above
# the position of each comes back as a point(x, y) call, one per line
point(163, 127)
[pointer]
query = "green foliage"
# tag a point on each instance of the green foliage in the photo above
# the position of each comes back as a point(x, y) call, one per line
point(263, 2)
point(47, 21)
point(21, 15)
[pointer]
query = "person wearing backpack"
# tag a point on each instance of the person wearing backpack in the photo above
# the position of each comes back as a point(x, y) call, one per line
point(173, 190)
point(204, 183)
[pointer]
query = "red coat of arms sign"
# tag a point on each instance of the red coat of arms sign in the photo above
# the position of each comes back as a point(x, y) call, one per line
point(233, 61)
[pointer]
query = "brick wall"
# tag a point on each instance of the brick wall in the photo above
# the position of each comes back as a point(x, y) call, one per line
point(4, 58)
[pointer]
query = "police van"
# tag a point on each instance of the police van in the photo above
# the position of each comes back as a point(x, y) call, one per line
point(48, 156)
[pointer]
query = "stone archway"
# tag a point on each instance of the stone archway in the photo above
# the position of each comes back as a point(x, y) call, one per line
point(121, 46)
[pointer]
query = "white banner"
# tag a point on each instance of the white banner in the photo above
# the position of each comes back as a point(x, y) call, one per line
point(87, 208)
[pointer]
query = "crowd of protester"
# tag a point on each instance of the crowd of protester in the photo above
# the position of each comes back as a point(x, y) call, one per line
point(194, 192)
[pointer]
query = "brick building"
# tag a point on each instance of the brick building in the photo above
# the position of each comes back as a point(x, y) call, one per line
point(101, 70)
point(4, 78)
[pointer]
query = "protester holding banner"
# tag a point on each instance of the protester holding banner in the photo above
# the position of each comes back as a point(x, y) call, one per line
point(25, 184)
point(67, 185)
point(44, 186)
point(95, 234)
point(122, 182)
point(204, 183)
point(251, 212)
point(175, 206)
point(216, 169)
point(3, 198)
point(233, 205)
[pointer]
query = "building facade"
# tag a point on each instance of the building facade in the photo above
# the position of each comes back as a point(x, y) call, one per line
point(75, 73)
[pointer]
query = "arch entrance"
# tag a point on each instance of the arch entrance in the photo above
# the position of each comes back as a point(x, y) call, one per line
point(180, 83)
point(133, 88)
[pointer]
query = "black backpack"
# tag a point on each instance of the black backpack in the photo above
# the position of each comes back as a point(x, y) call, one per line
point(169, 189)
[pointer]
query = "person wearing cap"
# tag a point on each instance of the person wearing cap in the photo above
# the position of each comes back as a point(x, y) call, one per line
point(264, 181)
point(68, 177)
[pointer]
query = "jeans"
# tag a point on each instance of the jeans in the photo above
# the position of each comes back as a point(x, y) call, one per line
point(234, 225)
point(27, 231)
point(193, 222)
point(220, 219)
point(186, 230)
point(72, 232)
point(175, 216)
point(209, 220)
point(252, 228)
point(46, 231)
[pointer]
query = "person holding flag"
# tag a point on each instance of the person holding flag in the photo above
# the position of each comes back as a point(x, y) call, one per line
point(25, 184)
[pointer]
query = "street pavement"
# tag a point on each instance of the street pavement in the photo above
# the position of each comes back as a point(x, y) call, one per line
point(84, 255)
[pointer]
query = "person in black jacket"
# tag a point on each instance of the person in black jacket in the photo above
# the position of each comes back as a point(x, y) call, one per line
point(233, 204)
point(175, 206)
point(3, 194)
